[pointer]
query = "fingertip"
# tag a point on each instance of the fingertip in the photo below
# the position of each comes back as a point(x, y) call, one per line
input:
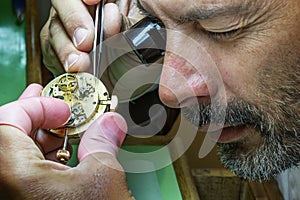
point(53, 113)
point(104, 135)
point(114, 127)
point(62, 110)
point(33, 90)
point(34, 113)
point(118, 119)
point(36, 86)
point(91, 2)
point(112, 18)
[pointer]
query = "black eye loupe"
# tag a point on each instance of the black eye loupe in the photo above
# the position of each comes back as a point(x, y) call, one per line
point(147, 38)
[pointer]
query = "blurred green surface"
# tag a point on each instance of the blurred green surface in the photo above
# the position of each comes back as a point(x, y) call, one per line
point(12, 54)
point(160, 184)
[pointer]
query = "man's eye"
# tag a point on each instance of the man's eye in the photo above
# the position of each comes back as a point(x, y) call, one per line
point(220, 36)
point(223, 36)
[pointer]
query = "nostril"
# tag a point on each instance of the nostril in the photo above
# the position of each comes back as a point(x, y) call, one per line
point(168, 97)
point(182, 98)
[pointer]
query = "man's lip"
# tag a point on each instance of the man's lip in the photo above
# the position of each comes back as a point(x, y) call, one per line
point(225, 134)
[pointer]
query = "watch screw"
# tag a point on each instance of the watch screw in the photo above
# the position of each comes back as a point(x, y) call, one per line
point(63, 155)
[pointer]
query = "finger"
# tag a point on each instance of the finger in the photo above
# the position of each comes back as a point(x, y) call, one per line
point(106, 135)
point(48, 143)
point(50, 58)
point(112, 20)
point(73, 60)
point(91, 2)
point(124, 7)
point(77, 22)
point(36, 112)
point(94, 2)
point(33, 90)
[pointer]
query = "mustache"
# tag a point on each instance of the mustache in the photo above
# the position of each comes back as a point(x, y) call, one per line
point(237, 112)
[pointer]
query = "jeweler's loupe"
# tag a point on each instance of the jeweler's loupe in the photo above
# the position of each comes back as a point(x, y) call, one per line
point(148, 39)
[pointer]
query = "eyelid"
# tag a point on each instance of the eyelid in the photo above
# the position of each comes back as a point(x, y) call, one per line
point(227, 35)
point(222, 34)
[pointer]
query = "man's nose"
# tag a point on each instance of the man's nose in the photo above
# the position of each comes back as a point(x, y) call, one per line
point(183, 84)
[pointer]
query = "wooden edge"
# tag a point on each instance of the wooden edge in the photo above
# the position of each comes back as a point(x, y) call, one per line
point(217, 183)
point(258, 190)
point(266, 190)
point(185, 180)
point(272, 190)
point(33, 69)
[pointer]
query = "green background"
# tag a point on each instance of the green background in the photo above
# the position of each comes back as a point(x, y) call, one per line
point(12, 54)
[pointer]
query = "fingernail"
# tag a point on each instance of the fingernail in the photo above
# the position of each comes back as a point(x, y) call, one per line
point(71, 60)
point(79, 36)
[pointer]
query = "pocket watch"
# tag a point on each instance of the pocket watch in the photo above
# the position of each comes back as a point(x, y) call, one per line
point(87, 97)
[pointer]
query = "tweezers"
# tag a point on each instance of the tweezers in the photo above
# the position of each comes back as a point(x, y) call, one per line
point(98, 39)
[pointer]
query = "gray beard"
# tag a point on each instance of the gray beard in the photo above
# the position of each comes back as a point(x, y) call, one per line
point(271, 156)
point(273, 144)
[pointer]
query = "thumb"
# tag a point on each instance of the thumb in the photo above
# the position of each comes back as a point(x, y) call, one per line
point(29, 114)
point(98, 167)
point(105, 135)
point(33, 90)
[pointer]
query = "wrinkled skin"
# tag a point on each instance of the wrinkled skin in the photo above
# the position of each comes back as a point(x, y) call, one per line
point(253, 47)
point(26, 174)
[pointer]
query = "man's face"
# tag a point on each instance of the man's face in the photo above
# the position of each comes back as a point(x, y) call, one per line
point(253, 47)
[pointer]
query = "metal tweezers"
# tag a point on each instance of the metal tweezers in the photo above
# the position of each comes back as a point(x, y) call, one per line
point(96, 58)
point(98, 39)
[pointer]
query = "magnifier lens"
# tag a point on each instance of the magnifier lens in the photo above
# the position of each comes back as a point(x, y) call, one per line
point(148, 39)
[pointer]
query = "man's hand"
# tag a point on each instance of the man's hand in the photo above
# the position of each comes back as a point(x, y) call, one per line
point(24, 172)
point(67, 37)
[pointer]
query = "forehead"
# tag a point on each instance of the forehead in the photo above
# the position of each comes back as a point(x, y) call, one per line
point(200, 2)
point(179, 7)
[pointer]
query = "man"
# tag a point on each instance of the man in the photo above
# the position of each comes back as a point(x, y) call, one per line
point(247, 70)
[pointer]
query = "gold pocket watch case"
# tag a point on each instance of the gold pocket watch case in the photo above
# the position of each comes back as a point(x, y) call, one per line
point(86, 96)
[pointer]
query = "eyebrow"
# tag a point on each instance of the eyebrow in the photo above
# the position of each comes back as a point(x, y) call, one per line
point(213, 11)
point(208, 12)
